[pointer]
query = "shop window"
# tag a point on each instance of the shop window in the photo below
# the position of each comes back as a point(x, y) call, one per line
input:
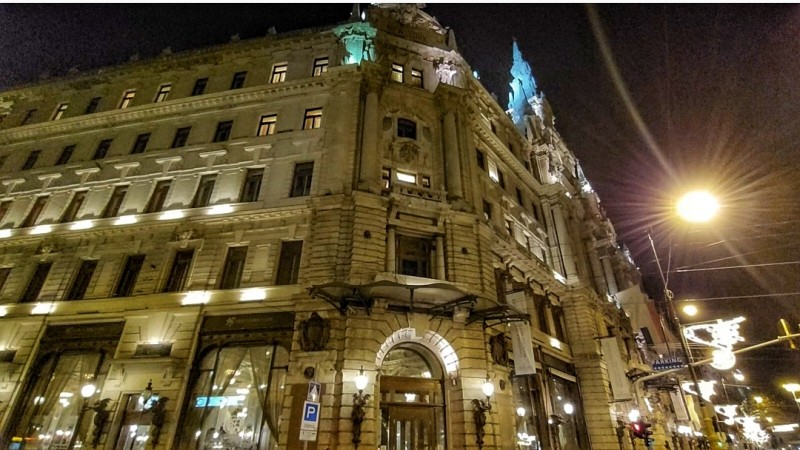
point(530, 418)
point(397, 73)
point(156, 203)
point(93, 104)
point(115, 202)
point(31, 293)
point(127, 99)
point(82, 280)
point(289, 262)
point(238, 80)
point(128, 276)
point(279, 73)
point(237, 399)
point(179, 272)
point(204, 189)
point(139, 421)
point(65, 155)
point(33, 214)
point(566, 403)
point(163, 93)
point(223, 132)
point(60, 110)
point(301, 180)
point(406, 129)
point(102, 149)
point(233, 268)
point(416, 78)
point(267, 125)
point(140, 144)
point(30, 161)
point(414, 256)
point(252, 185)
point(181, 136)
point(74, 206)
point(199, 86)
point(312, 119)
point(320, 66)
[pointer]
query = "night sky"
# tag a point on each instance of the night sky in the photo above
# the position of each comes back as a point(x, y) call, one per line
point(715, 89)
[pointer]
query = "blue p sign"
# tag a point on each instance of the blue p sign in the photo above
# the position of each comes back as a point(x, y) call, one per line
point(310, 412)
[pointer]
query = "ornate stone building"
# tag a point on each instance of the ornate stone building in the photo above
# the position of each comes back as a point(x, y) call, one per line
point(208, 250)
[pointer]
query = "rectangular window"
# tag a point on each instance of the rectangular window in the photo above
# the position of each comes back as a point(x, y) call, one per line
point(92, 106)
point(510, 228)
point(289, 262)
point(33, 214)
point(65, 155)
point(266, 125)
point(163, 93)
point(158, 198)
point(102, 149)
point(414, 256)
point(312, 119)
point(406, 177)
point(28, 116)
point(127, 99)
point(181, 136)
point(179, 272)
point(127, 279)
point(487, 210)
point(82, 279)
point(301, 181)
point(30, 161)
point(199, 86)
point(279, 73)
point(252, 185)
point(493, 171)
point(60, 110)
point(74, 206)
point(203, 195)
point(115, 202)
point(481, 159)
point(233, 268)
point(320, 66)
point(140, 144)
point(397, 73)
point(426, 181)
point(501, 179)
point(519, 197)
point(4, 272)
point(406, 129)
point(36, 283)
point(386, 177)
point(416, 78)
point(223, 132)
point(238, 80)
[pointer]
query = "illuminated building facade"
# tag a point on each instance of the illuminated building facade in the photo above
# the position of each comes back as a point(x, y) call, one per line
point(189, 244)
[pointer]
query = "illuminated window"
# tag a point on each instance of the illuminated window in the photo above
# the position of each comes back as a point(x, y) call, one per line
point(156, 203)
point(102, 149)
point(279, 73)
point(92, 106)
point(128, 276)
point(493, 174)
point(320, 66)
point(199, 86)
point(416, 78)
point(397, 73)
point(267, 125)
point(312, 119)
point(36, 282)
point(33, 214)
point(163, 92)
point(179, 272)
point(115, 202)
point(406, 129)
point(74, 206)
point(82, 279)
point(181, 136)
point(426, 181)
point(252, 185)
point(386, 177)
point(238, 80)
point(233, 268)
point(289, 262)
point(65, 155)
point(406, 177)
point(204, 189)
point(30, 161)
point(140, 144)
point(301, 181)
point(223, 132)
point(127, 99)
point(60, 110)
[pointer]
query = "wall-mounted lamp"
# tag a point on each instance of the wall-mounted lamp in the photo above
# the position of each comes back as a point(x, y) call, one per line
point(479, 410)
point(360, 400)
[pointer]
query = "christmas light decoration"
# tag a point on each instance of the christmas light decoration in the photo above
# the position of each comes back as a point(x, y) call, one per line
point(722, 335)
point(729, 411)
point(706, 388)
point(752, 430)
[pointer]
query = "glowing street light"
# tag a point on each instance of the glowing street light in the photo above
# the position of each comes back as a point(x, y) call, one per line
point(690, 310)
point(794, 388)
point(697, 206)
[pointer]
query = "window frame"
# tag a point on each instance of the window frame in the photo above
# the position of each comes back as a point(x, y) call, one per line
point(248, 195)
point(73, 207)
point(180, 140)
point(288, 267)
point(312, 119)
point(114, 203)
point(31, 160)
point(199, 87)
point(83, 277)
point(320, 66)
point(163, 93)
point(202, 196)
point(397, 73)
point(417, 251)
point(36, 282)
point(140, 144)
point(233, 269)
point(417, 78)
point(237, 82)
point(268, 122)
point(102, 149)
point(158, 197)
point(178, 276)
point(127, 99)
point(39, 203)
point(302, 177)
point(223, 131)
point(59, 111)
point(94, 103)
point(278, 74)
point(65, 155)
point(406, 128)
point(126, 283)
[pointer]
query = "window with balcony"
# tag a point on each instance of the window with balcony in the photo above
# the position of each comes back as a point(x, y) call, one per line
point(30, 161)
point(289, 262)
point(406, 129)
point(414, 256)
point(312, 119)
point(35, 212)
point(74, 206)
point(163, 93)
point(128, 276)
point(397, 73)
point(181, 136)
point(140, 144)
point(301, 180)
point(60, 110)
point(82, 280)
point(233, 268)
point(267, 125)
point(223, 132)
point(252, 185)
point(66, 154)
point(238, 80)
point(199, 86)
point(102, 149)
point(204, 189)
point(127, 99)
point(115, 202)
point(279, 73)
point(320, 66)
point(156, 203)
point(36, 282)
point(179, 272)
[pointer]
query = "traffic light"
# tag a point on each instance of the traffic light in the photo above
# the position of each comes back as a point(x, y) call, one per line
point(640, 430)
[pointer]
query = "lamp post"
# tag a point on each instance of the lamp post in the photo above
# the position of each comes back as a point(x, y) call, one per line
point(479, 410)
point(87, 391)
point(360, 400)
point(794, 388)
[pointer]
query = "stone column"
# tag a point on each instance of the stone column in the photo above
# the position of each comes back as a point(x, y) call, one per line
point(564, 243)
point(391, 260)
point(452, 157)
point(598, 273)
point(369, 142)
point(610, 278)
point(440, 272)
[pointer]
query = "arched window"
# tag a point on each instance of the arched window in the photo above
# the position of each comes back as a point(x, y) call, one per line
point(406, 129)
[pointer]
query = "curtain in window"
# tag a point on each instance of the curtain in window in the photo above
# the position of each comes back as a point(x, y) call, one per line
point(261, 362)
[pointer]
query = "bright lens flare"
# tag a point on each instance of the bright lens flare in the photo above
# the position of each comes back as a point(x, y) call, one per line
point(698, 206)
point(690, 310)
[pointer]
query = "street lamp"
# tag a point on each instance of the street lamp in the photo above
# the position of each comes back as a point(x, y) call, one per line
point(359, 402)
point(794, 388)
point(697, 206)
point(479, 410)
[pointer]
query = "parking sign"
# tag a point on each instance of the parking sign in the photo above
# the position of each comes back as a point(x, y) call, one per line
point(310, 422)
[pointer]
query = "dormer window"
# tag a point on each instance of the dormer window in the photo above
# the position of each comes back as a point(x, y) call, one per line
point(406, 129)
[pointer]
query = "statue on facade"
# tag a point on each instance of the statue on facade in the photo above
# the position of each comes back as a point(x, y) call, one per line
point(314, 333)
point(445, 70)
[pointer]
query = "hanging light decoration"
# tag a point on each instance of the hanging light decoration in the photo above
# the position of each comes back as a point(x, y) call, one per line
point(722, 335)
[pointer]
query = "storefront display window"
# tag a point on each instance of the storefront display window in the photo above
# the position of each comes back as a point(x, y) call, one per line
point(236, 398)
point(565, 422)
point(529, 413)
